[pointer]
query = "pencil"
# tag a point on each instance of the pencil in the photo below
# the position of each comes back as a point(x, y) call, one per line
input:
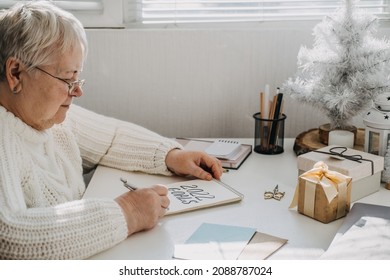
point(262, 112)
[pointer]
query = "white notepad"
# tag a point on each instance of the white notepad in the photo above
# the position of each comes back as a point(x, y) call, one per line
point(184, 196)
point(224, 149)
point(197, 194)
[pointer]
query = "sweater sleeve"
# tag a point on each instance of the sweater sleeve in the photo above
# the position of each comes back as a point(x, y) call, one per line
point(119, 144)
point(71, 230)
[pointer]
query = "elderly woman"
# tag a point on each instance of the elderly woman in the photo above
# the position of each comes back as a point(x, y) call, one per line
point(46, 143)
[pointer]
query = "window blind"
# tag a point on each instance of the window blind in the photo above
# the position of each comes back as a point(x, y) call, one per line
point(192, 11)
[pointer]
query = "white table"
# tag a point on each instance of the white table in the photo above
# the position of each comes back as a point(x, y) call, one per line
point(307, 238)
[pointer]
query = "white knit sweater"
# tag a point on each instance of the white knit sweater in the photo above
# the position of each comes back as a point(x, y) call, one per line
point(42, 213)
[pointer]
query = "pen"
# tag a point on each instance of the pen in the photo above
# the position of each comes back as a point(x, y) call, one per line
point(133, 188)
point(127, 185)
point(276, 111)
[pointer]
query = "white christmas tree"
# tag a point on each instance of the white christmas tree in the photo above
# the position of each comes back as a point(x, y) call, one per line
point(346, 68)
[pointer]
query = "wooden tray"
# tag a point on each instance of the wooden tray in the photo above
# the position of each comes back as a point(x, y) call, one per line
point(310, 140)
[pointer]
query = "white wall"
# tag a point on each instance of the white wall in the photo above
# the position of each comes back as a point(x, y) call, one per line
point(195, 83)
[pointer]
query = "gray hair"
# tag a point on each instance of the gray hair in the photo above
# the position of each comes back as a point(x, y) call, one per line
point(37, 31)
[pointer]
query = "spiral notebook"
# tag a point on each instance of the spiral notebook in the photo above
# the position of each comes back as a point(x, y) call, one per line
point(223, 149)
point(235, 160)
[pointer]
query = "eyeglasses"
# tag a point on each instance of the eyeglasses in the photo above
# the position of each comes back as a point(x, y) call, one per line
point(71, 85)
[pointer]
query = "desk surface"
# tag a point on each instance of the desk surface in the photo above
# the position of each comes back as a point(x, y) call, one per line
point(307, 238)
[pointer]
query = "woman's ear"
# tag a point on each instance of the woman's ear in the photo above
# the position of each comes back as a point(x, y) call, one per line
point(12, 70)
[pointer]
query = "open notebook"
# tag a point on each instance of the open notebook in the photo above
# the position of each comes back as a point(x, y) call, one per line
point(184, 195)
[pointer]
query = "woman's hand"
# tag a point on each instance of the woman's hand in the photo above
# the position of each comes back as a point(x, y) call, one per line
point(143, 207)
point(198, 164)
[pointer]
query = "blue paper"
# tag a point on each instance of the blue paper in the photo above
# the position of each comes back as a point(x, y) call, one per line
point(221, 233)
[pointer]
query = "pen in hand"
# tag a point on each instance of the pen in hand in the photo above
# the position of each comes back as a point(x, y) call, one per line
point(127, 185)
point(133, 188)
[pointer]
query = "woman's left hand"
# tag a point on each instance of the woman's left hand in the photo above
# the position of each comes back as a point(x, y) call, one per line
point(198, 164)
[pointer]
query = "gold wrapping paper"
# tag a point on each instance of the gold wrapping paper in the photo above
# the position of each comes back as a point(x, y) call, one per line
point(323, 194)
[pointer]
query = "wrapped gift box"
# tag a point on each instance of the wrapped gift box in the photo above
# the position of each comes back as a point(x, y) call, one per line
point(323, 194)
point(364, 168)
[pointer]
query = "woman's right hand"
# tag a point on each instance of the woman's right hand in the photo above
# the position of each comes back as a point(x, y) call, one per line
point(143, 207)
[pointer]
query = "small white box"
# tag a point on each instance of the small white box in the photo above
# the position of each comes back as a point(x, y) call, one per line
point(364, 168)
